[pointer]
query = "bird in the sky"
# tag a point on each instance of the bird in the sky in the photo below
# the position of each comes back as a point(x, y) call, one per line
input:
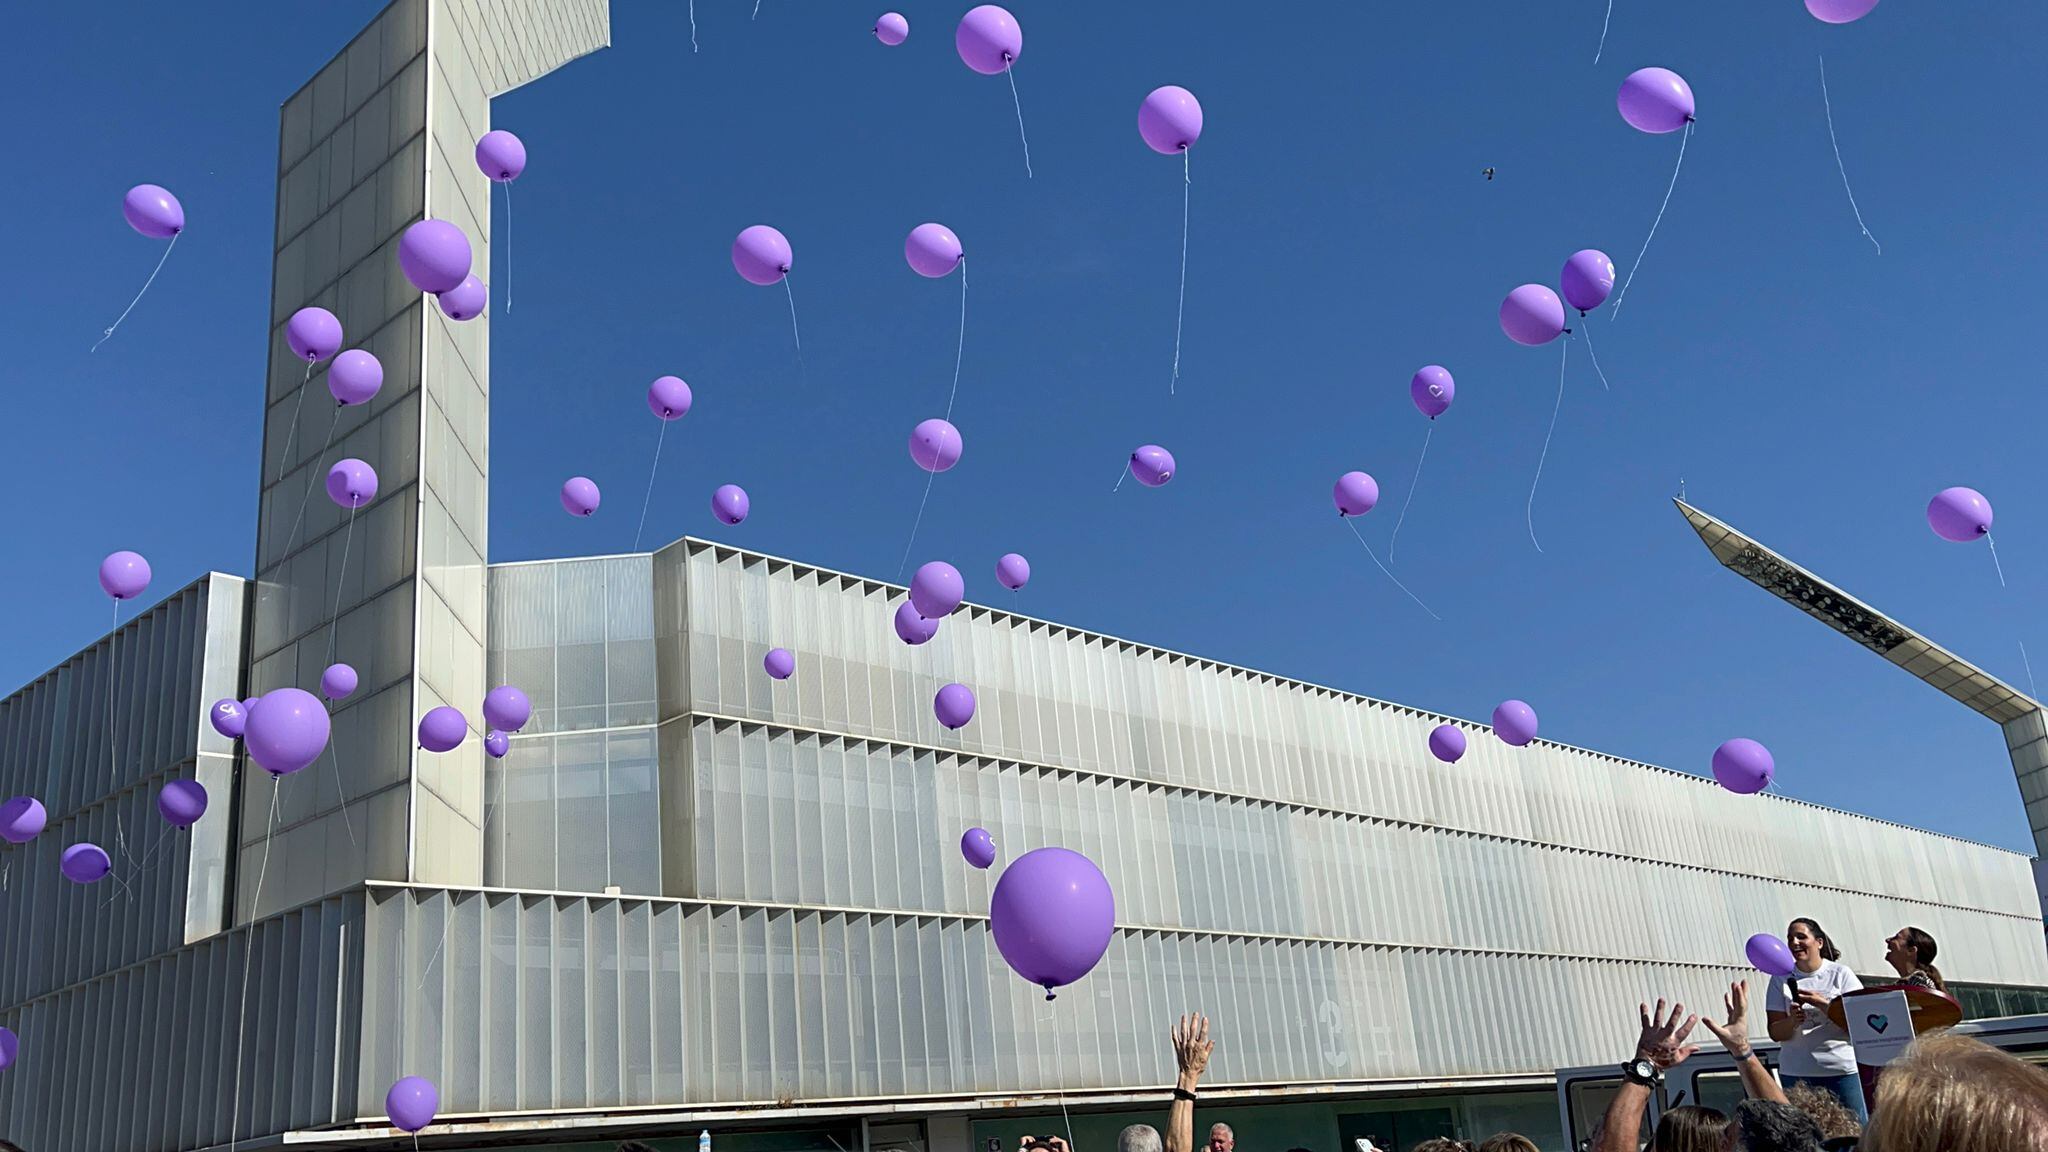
point(1489, 173)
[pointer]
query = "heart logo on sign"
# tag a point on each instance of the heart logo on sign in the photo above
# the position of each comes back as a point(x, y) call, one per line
point(1878, 1021)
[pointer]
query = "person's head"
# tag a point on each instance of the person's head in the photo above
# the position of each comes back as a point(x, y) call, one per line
point(635, 1146)
point(1689, 1128)
point(1827, 1110)
point(1221, 1138)
point(1952, 1093)
point(1139, 1138)
point(1809, 944)
point(1443, 1144)
point(1508, 1142)
point(1911, 950)
point(1768, 1126)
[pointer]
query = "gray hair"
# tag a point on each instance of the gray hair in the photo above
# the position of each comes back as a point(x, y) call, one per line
point(1227, 1130)
point(1138, 1138)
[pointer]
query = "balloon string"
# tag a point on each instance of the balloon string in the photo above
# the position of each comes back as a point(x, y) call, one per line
point(248, 947)
point(1120, 478)
point(2029, 665)
point(1586, 329)
point(1828, 108)
point(334, 625)
point(912, 542)
point(138, 296)
point(293, 536)
point(1353, 522)
point(1529, 513)
point(1996, 566)
point(693, 25)
point(508, 247)
point(1603, 31)
point(1010, 70)
point(485, 832)
point(1180, 310)
point(757, 11)
point(1682, 141)
point(292, 434)
point(793, 331)
point(1412, 483)
point(114, 737)
point(960, 351)
point(651, 469)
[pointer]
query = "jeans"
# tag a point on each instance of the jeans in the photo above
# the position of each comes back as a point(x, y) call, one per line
point(1848, 1089)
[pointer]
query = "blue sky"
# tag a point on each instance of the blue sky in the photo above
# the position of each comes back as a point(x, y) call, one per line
point(1806, 388)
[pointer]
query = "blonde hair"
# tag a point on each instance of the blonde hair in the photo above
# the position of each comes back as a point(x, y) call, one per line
point(1952, 1093)
point(1827, 1110)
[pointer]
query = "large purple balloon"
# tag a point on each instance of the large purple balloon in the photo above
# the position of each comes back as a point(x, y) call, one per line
point(978, 847)
point(1768, 954)
point(1743, 766)
point(1432, 390)
point(153, 211)
point(442, 729)
point(1152, 465)
point(434, 255)
point(936, 589)
point(1532, 315)
point(780, 663)
point(954, 705)
point(1013, 571)
point(181, 802)
point(355, 376)
point(1840, 11)
point(496, 744)
point(989, 40)
point(668, 397)
point(1514, 722)
point(124, 575)
point(10, 1047)
point(580, 496)
point(1355, 494)
point(1957, 514)
point(228, 718)
point(762, 255)
point(1170, 119)
point(912, 628)
point(85, 863)
point(313, 333)
point(935, 445)
point(22, 819)
point(1052, 914)
point(932, 250)
point(892, 29)
point(1447, 743)
point(411, 1103)
point(729, 504)
point(287, 730)
point(507, 708)
point(1655, 100)
point(1587, 279)
point(466, 300)
point(338, 681)
point(351, 483)
point(501, 155)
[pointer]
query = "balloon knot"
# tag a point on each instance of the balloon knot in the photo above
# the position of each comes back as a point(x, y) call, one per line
point(1049, 995)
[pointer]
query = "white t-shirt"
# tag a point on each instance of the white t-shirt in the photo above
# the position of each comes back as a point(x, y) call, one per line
point(1818, 1048)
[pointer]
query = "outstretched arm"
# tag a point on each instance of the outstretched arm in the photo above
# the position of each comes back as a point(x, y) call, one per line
point(1757, 1081)
point(1191, 1048)
point(1663, 1044)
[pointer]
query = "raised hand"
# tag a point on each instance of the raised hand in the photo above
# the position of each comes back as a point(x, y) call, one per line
point(1663, 1040)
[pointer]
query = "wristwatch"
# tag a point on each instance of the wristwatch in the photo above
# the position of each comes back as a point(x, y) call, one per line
point(1641, 1071)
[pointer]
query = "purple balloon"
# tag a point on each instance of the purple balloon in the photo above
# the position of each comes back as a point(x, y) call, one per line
point(1152, 465)
point(124, 575)
point(932, 250)
point(338, 681)
point(1052, 914)
point(496, 744)
point(249, 708)
point(1170, 120)
point(507, 708)
point(355, 376)
point(1514, 722)
point(1447, 743)
point(442, 729)
point(936, 589)
point(1840, 11)
point(668, 397)
point(1355, 494)
point(892, 29)
point(313, 333)
point(501, 155)
point(153, 211)
point(1957, 514)
point(22, 819)
point(286, 731)
point(85, 863)
point(1743, 766)
point(1432, 390)
point(911, 628)
point(228, 718)
point(1587, 279)
point(1532, 315)
point(579, 496)
point(1769, 955)
point(935, 445)
point(954, 705)
point(182, 802)
point(466, 300)
point(351, 483)
point(10, 1047)
point(989, 40)
point(434, 255)
point(780, 663)
point(1013, 571)
point(730, 504)
point(978, 847)
point(762, 255)
point(411, 1103)
point(1655, 100)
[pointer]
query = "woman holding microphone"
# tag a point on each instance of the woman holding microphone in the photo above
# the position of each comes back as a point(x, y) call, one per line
point(1813, 1051)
